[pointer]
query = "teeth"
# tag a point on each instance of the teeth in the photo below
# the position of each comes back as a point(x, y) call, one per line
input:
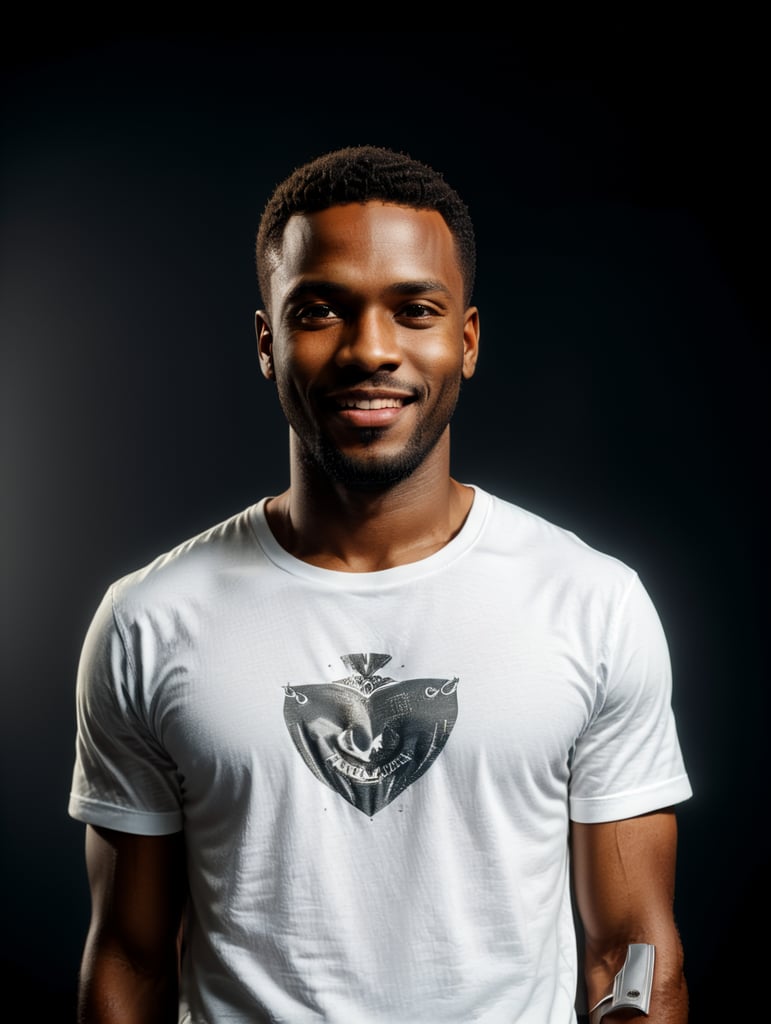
point(372, 403)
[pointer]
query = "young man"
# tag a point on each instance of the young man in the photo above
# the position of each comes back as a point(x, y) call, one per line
point(339, 755)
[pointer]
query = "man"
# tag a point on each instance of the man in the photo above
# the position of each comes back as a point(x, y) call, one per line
point(339, 755)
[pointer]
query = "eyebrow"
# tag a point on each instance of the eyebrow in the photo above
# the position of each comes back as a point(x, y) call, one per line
point(419, 287)
point(332, 289)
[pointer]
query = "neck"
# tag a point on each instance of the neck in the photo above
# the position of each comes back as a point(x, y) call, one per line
point(329, 525)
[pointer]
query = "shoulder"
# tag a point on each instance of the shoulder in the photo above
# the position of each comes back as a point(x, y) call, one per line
point(195, 567)
point(549, 549)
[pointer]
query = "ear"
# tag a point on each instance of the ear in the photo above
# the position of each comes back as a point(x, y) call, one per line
point(470, 342)
point(264, 343)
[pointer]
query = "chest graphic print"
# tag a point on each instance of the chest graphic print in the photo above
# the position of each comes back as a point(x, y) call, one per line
point(368, 736)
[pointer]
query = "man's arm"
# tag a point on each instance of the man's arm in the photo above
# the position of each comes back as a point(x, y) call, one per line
point(624, 877)
point(129, 972)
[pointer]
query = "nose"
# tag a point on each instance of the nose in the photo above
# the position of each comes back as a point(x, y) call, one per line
point(370, 342)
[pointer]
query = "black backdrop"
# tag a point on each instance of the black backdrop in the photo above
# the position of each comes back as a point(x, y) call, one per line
point(617, 178)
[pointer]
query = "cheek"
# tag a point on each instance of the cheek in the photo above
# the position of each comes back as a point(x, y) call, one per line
point(307, 353)
point(438, 358)
point(298, 362)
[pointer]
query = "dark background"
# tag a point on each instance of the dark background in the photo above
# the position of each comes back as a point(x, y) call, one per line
point(617, 178)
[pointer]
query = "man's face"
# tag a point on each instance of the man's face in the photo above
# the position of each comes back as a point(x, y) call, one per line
point(368, 340)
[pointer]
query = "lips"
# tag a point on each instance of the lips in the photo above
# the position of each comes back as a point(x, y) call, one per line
point(362, 408)
point(371, 403)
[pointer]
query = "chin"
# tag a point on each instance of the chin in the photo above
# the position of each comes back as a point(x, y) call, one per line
point(366, 475)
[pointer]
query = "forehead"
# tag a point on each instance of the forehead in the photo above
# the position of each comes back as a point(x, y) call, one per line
point(368, 243)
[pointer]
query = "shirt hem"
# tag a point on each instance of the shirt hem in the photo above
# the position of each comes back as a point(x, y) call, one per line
point(628, 805)
point(124, 819)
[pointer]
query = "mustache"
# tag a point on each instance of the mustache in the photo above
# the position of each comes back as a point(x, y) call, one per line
point(380, 379)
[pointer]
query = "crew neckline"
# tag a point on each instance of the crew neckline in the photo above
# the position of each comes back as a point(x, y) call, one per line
point(453, 549)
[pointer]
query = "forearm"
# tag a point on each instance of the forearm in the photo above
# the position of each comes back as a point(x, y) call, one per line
point(624, 883)
point(669, 993)
point(113, 990)
point(130, 968)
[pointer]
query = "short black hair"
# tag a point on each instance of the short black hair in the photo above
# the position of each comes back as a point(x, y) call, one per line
point(358, 174)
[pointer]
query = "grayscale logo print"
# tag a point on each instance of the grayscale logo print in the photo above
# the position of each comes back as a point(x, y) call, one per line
point(368, 736)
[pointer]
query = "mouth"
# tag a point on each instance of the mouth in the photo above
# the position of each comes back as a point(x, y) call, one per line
point(370, 409)
point(371, 403)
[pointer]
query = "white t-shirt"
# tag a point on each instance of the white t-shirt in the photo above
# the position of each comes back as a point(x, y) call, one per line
point(375, 771)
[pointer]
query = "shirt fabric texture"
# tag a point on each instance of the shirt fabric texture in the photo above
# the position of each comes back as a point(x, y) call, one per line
point(375, 772)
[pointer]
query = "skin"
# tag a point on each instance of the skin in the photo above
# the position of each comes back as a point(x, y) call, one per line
point(366, 302)
point(129, 968)
point(624, 883)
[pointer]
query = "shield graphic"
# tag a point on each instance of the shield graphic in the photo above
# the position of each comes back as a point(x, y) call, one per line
point(369, 736)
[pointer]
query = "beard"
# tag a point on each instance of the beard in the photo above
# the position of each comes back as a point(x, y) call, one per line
point(367, 472)
point(363, 474)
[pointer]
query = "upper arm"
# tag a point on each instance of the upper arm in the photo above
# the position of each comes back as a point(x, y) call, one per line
point(138, 890)
point(624, 881)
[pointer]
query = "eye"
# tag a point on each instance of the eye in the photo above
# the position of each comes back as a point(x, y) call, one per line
point(417, 311)
point(315, 311)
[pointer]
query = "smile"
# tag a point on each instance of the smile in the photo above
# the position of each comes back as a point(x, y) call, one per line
point(371, 403)
point(361, 410)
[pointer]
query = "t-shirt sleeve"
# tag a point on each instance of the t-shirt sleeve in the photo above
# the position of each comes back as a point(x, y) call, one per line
point(122, 778)
point(629, 761)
